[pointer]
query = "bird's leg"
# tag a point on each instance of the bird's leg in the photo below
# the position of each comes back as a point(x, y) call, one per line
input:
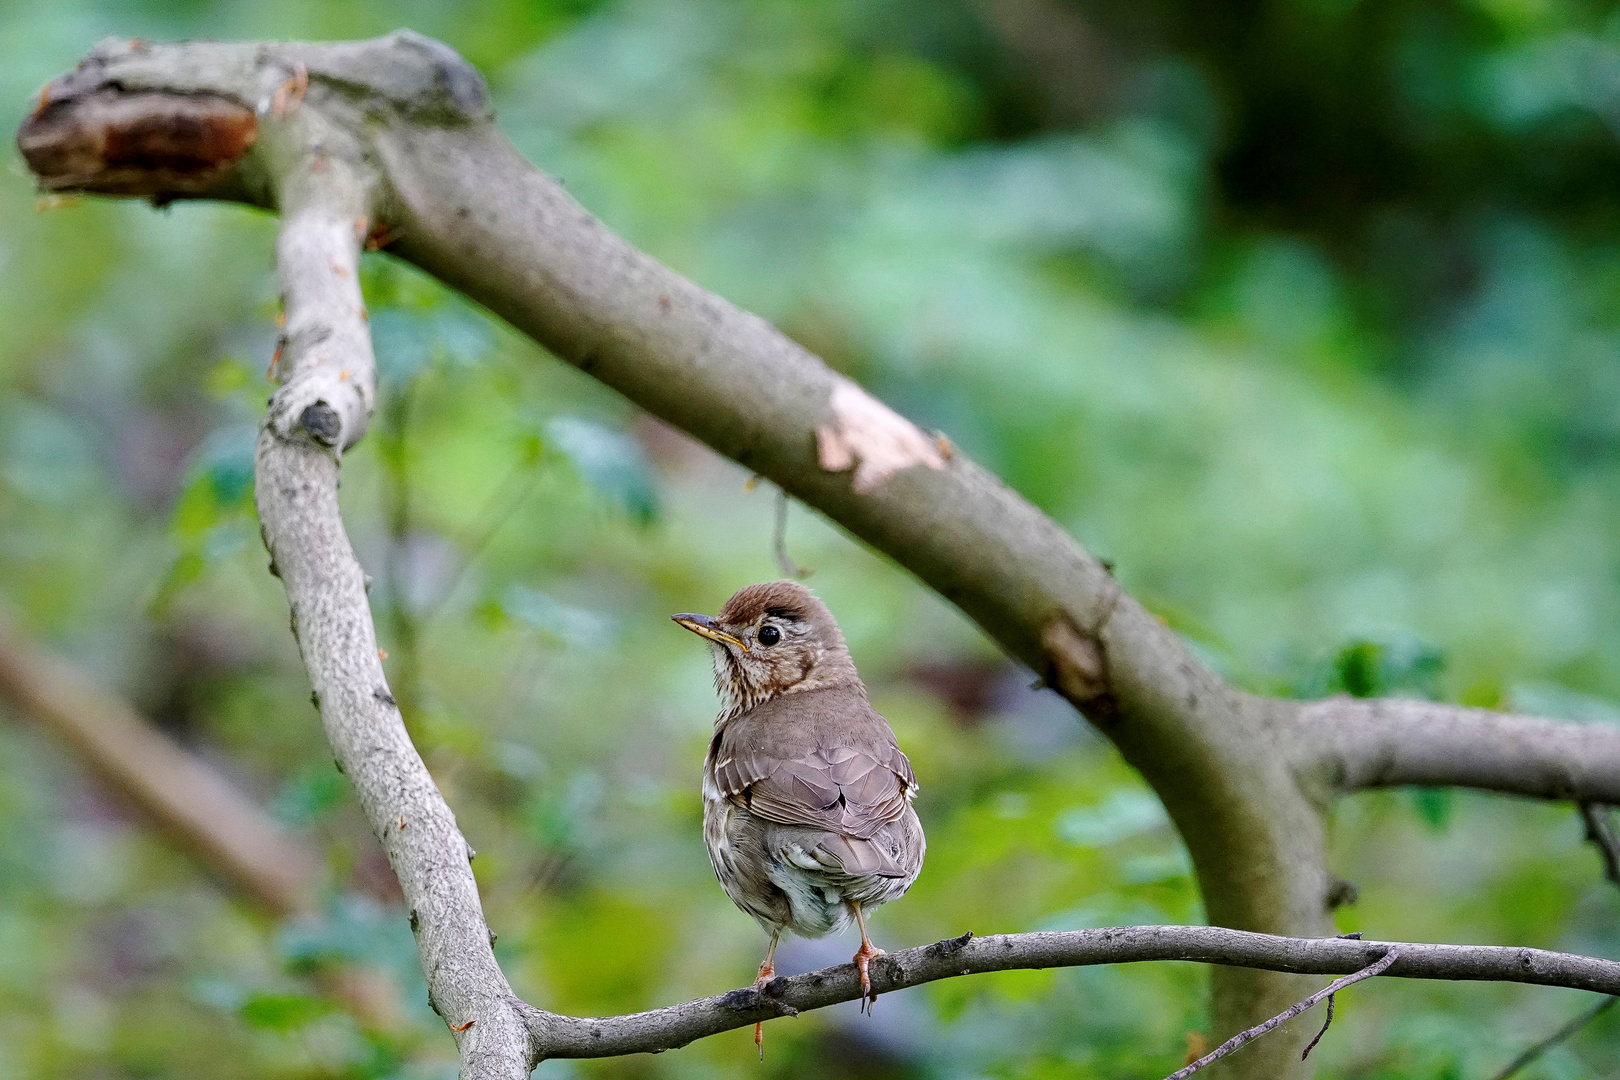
point(863, 960)
point(767, 972)
point(767, 967)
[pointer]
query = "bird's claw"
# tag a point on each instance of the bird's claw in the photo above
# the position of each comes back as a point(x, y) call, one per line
point(863, 962)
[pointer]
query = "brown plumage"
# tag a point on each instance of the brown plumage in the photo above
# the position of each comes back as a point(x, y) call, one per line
point(806, 796)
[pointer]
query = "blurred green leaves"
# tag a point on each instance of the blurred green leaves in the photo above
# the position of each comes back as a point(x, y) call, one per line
point(1397, 667)
point(563, 623)
point(212, 519)
point(407, 340)
point(610, 461)
point(282, 1012)
point(310, 795)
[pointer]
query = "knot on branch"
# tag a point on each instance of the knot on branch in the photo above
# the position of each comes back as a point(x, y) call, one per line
point(322, 405)
point(322, 422)
point(768, 996)
point(1077, 667)
point(1340, 893)
point(950, 945)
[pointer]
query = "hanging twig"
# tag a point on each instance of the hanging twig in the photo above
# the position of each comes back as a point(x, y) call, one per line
point(1305, 1053)
point(1354, 935)
point(1556, 1037)
point(789, 567)
point(1287, 1014)
point(1600, 834)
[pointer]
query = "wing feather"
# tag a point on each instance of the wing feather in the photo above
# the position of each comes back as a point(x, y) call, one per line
point(832, 763)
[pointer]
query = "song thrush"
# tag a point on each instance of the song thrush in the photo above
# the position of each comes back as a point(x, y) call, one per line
point(806, 796)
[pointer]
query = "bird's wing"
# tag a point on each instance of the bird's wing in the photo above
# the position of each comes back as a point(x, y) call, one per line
point(851, 780)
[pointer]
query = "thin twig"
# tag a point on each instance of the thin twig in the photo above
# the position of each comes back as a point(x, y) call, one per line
point(1325, 1025)
point(1287, 1014)
point(789, 567)
point(1600, 833)
point(1354, 935)
point(1558, 1036)
point(502, 505)
point(396, 457)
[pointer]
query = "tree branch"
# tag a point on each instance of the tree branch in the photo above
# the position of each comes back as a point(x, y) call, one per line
point(677, 1025)
point(327, 194)
point(183, 796)
point(1352, 744)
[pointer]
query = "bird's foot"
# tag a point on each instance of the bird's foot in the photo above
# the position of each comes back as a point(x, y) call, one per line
point(863, 959)
point(767, 972)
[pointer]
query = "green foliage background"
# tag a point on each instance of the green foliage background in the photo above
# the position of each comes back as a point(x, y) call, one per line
point(1303, 312)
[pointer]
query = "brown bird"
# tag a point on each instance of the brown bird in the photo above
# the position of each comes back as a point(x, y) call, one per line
point(806, 796)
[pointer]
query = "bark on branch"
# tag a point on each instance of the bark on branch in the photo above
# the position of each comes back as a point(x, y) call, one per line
point(396, 134)
point(1368, 743)
point(677, 1025)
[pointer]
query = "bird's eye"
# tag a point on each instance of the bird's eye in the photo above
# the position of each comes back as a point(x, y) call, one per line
point(769, 635)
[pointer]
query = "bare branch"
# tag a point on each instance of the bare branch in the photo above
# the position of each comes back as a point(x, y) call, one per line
point(784, 562)
point(184, 797)
point(1534, 1052)
point(326, 194)
point(1288, 1014)
point(1600, 834)
point(1353, 744)
point(677, 1025)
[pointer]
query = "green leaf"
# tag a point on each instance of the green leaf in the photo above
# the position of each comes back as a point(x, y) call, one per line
point(1396, 665)
point(610, 461)
point(310, 796)
point(569, 625)
point(1435, 806)
point(282, 1012)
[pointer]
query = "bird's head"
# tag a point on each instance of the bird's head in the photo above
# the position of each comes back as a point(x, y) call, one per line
point(772, 639)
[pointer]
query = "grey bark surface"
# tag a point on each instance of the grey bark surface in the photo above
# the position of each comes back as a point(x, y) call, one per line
point(678, 1025)
point(1355, 744)
point(398, 132)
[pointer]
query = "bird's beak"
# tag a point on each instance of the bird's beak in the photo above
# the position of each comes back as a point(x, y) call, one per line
point(704, 626)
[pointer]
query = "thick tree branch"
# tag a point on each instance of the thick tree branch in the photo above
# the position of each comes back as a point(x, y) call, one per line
point(1352, 744)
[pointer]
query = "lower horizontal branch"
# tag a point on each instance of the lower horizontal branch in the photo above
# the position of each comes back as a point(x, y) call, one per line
point(675, 1026)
